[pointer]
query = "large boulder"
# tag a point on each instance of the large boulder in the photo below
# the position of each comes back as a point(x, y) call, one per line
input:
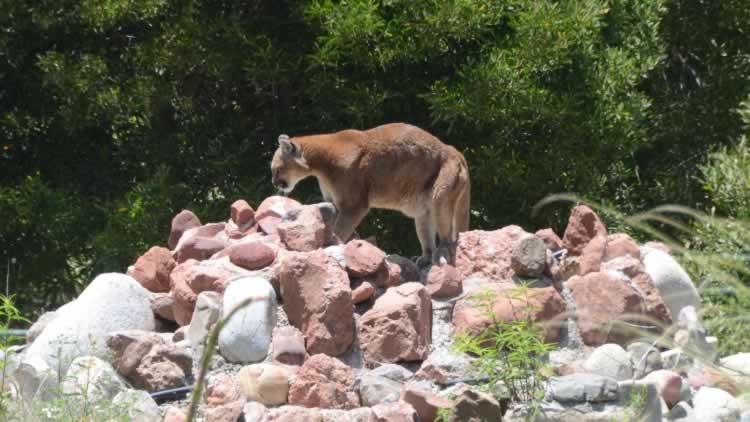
point(153, 268)
point(487, 254)
point(137, 406)
point(398, 327)
point(715, 405)
point(306, 228)
point(443, 281)
point(674, 284)
point(363, 258)
point(583, 226)
point(375, 389)
point(318, 301)
point(148, 361)
point(246, 336)
point(543, 304)
point(272, 210)
point(112, 302)
point(93, 379)
point(324, 382)
point(529, 256)
point(610, 360)
point(605, 307)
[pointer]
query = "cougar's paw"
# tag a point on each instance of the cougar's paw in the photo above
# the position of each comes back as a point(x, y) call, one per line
point(423, 262)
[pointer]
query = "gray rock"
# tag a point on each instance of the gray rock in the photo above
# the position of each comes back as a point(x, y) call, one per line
point(675, 360)
point(715, 405)
point(37, 327)
point(644, 358)
point(444, 365)
point(138, 406)
point(529, 256)
point(692, 335)
point(205, 315)
point(246, 337)
point(393, 372)
point(738, 366)
point(674, 284)
point(36, 380)
point(112, 302)
point(681, 412)
point(376, 389)
point(92, 378)
point(610, 360)
point(582, 387)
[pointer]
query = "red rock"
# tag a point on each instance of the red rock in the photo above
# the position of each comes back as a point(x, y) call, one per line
point(220, 389)
point(551, 239)
point(242, 213)
point(425, 402)
point(198, 248)
point(398, 327)
point(148, 361)
point(175, 414)
point(601, 302)
point(304, 229)
point(394, 275)
point(318, 300)
point(363, 292)
point(620, 244)
point(656, 311)
point(625, 264)
point(251, 255)
point(272, 210)
point(324, 382)
point(153, 268)
point(229, 412)
point(592, 255)
point(362, 258)
point(583, 225)
point(443, 281)
point(487, 254)
point(179, 334)
point(188, 280)
point(162, 304)
point(394, 412)
point(180, 223)
point(668, 384)
point(545, 304)
point(288, 345)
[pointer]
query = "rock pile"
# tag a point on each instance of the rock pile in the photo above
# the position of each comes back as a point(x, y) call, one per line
point(343, 332)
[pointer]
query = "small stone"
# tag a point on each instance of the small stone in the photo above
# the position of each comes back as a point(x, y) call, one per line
point(610, 360)
point(475, 406)
point(425, 402)
point(153, 268)
point(242, 213)
point(394, 412)
point(93, 379)
point(324, 382)
point(393, 372)
point(644, 358)
point(375, 389)
point(205, 316)
point(288, 346)
point(443, 281)
point(264, 383)
point(220, 389)
point(138, 406)
point(668, 384)
point(363, 292)
point(182, 222)
point(251, 255)
point(362, 258)
point(529, 255)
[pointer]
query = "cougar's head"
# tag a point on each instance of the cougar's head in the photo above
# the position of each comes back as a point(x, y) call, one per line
point(288, 165)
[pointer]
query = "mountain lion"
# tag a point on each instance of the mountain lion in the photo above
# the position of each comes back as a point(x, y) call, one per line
point(394, 166)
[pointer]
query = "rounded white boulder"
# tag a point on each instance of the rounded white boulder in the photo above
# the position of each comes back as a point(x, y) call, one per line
point(673, 283)
point(246, 336)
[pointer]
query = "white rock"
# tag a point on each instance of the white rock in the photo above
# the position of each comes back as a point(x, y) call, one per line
point(137, 406)
point(673, 283)
point(738, 366)
point(112, 302)
point(263, 383)
point(246, 336)
point(92, 378)
point(715, 405)
point(610, 360)
point(36, 380)
point(205, 315)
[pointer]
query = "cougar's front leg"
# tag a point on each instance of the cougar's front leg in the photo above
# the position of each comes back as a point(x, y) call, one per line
point(347, 221)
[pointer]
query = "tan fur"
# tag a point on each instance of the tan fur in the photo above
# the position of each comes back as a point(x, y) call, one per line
point(395, 166)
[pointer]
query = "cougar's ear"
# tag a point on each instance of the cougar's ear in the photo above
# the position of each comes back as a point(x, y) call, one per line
point(288, 148)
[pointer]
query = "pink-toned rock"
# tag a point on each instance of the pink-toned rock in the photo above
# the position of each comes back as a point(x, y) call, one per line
point(398, 328)
point(551, 239)
point(153, 268)
point(363, 292)
point(620, 244)
point(175, 414)
point(162, 304)
point(228, 412)
point(251, 255)
point(304, 229)
point(242, 213)
point(272, 210)
point(148, 361)
point(583, 225)
point(626, 264)
point(487, 254)
point(288, 346)
point(198, 248)
point(324, 382)
point(188, 280)
point(363, 258)
point(179, 334)
point(181, 222)
point(544, 304)
point(659, 245)
point(425, 402)
point(668, 384)
point(395, 276)
point(656, 311)
point(443, 281)
point(604, 307)
point(592, 255)
point(401, 270)
point(293, 414)
point(398, 411)
point(318, 300)
point(220, 389)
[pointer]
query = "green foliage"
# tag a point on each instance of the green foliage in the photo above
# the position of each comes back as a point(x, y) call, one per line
point(636, 404)
point(511, 352)
point(9, 316)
